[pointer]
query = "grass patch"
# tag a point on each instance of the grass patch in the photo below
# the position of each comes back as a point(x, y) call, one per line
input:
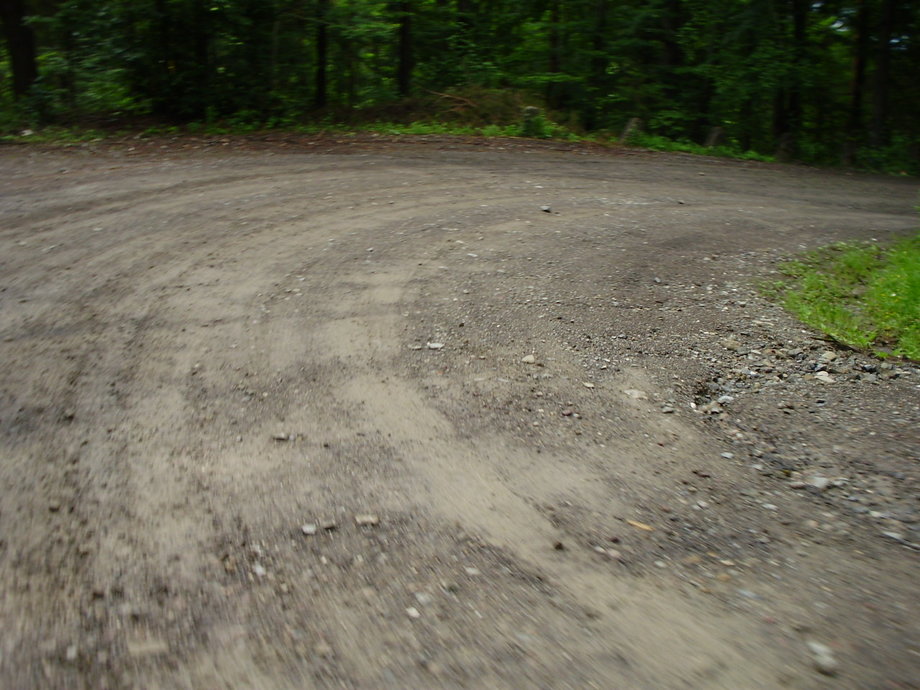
point(862, 295)
point(544, 129)
point(659, 143)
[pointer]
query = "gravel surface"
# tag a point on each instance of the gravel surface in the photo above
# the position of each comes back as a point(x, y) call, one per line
point(286, 412)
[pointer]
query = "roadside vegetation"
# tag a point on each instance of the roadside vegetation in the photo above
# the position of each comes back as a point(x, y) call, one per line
point(824, 83)
point(537, 127)
point(863, 295)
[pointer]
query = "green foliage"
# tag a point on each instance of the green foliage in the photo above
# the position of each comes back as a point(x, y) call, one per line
point(896, 158)
point(659, 143)
point(435, 128)
point(861, 295)
point(419, 128)
point(536, 125)
point(780, 78)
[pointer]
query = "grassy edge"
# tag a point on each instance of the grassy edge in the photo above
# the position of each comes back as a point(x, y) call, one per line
point(861, 295)
point(545, 130)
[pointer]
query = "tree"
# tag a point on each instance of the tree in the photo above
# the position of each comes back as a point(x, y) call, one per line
point(881, 79)
point(20, 42)
point(322, 53)
point(405, 60)
point(857, 81)
point(796, 76)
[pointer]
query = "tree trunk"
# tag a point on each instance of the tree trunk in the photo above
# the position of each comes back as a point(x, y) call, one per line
point(670, 25)
point(20, 43)
point(597, 76)
point(780, 114)
point(202, 49)
point(745, 117)
point(404, 49)
point(799, 58)
point(465, 10)
point(598, 43)
point(164, 100)
point(857, 85)
point(878, 131)
point(554, 64)
point(322, 53)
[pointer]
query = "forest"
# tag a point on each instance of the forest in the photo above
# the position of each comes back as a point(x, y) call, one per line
point(826, 81)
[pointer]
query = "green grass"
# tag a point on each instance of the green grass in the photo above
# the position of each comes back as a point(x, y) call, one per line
point(544, 130)
point(659, 143)
point(862, 295)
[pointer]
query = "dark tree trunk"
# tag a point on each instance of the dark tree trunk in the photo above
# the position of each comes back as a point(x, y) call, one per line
point(857, 85)
point(322, 53)
point(670, 24)
point(554, 65)
point(465, 9)
point(164, 30)
point(164, 100)
point(598, 42)
point(780, 114)
point(405, 61)
point(20, 43)
point(878, 131)
point(745, 117)
point(799, 26)
point(466, 14)
point(202, 49)
point(597, 76)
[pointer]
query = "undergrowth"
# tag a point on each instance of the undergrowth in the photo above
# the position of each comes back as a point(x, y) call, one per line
point(859, 294)
point(660, 143)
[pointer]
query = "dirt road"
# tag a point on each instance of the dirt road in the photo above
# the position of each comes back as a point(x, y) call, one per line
point(367, 415)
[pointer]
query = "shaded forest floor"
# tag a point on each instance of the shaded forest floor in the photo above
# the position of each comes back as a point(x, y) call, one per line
point(352, 411)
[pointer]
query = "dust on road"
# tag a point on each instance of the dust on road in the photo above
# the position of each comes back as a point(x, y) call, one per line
point(367, 416)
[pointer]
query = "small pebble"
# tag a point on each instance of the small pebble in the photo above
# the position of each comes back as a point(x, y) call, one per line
point(819, 483)
point(823, 658)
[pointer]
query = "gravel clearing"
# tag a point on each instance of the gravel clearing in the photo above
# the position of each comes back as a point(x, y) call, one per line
point(287, 413)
